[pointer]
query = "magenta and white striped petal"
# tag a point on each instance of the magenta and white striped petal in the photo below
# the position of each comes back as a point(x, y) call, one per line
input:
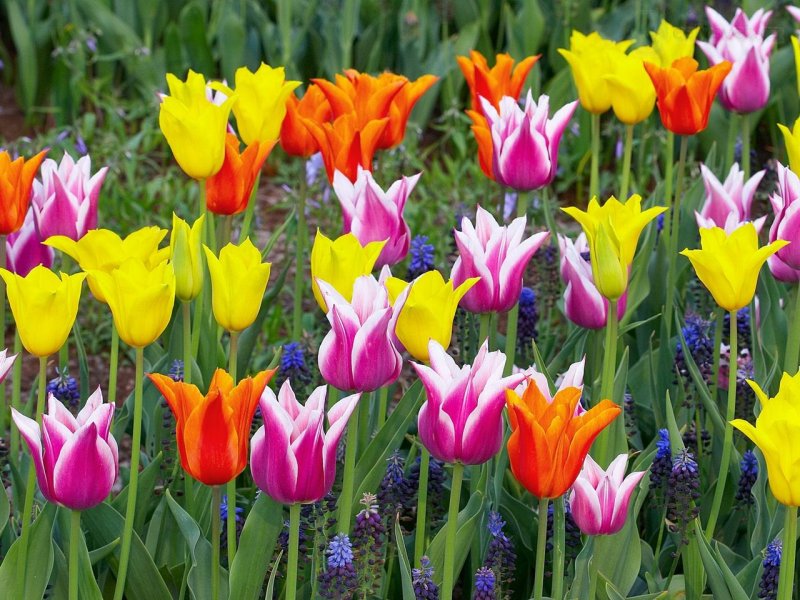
point(85, 471)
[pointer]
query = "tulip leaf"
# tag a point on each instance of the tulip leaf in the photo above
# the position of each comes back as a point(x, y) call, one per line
point(193, 19)
point(270, 593)
point(87, 584)
point(405, 567)
point(5, 511)
point(721, 586)
point(144, 494)
point(39, 562)
point(98, 554)
point(618, 557)
point(259, 536)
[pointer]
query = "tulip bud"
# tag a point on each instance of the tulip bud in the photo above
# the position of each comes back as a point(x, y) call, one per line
point(185, 244)
point(610, 275)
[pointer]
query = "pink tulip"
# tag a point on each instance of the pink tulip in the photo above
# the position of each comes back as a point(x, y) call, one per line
point(498, 255)
point(599, 499)
point(785, 264)
point(25, 250)
point(292, 459)
point(525, 142)
point(6, 362)
point(583, 303)
point(358, 354)
point(741, 42)
point(727, 204)
point(462, 418)
point(573, 377)
point(795, 12)
point(65, 200)
point(373, 215)
point(76, 459)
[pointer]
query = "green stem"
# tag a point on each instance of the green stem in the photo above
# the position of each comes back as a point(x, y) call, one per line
point(231, 488)
point(216, 527)
point(113, 365)
point(74, 536)
point(730, 149)
point(186, 307)
point(626, 163)
point(594, 177)
point(541, 548)
point(607, 380)
point(719, 324)
point(133, 486)
point(299, 273)
point(4, 412)
point(348, 478)
point(592, 581)
point(199, 316)
point(227, 227)
point(669, 149)
point(786, 576)
point(746, 145)
point(16, 394)
point(383, 405)
point(727, 444)
point(790, 361)
point(559, 525)
point(420, 533)
point(452, 529)
point(294, 542)
point(251, 206)
point(673, 235)
point(485, 326)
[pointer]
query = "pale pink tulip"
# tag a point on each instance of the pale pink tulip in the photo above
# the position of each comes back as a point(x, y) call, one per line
point(785, 264)
point(727, 204)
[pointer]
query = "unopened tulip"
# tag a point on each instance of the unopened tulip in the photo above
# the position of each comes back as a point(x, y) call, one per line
point(185, 244)
point(503, 79)
point(228, 190)
point(671, 43)
point(373, 215)
point(633, 96)
point(76, 458)
point(600, 498)
point(728, 203)
point(44, 306)
point(261, 104)
point(293, 458)
point(16, 181)
point(791, 138)
point(296, 140)
point(25, 250)
point(498, 256)
point(785, 200)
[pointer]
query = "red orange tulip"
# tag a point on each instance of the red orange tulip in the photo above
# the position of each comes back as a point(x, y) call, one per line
point(16, 180)
point(228, 192)
point(503, 79)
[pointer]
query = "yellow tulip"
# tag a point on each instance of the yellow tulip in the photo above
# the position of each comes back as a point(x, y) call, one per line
point(194, 126)
point(104, 250)
point(340, 262)
point(796, 50)
point(140, 298)
point(791, 137)
point(591, 58)
point(427, 312)
point(613, 231)
point(185, 243)
point(238, 282)
point(671, 43)
point(44, 306)
point(261, 104)
point(632, 93)
point(728, 264)
point(777, 434)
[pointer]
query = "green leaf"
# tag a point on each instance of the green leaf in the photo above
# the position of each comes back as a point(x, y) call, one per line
point(405, 566)
point(27, 64)
point(39, 562)
point(618, 557)
point(87, 584)
point(5, 511)
point(193, 33)
point(256, 544)
point(144, 493)
point(270, 593)
point(100, 553)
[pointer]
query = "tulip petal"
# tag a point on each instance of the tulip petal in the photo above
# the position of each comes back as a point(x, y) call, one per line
point(85, 471)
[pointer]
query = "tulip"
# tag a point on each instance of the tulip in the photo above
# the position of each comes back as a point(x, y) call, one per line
point(194, 126)
point(358, 353)
point(741, 43)
point(573, 377)
point(671, 43)
point(25, 250)
point(525, 142)
point(727, 204)
point(613, 232)
point(228, 190)
point(362, 96)
point(591, 58)
point(238, 282)
point(425, 310)
point(483, 136)
point(340, 262)
point(185, 243)
point(261, 104)
point(684, 94)
point(633, 96)
point(795, 12)
point(6, 362)
point(796, 52)
point(548, 443)
point(497, 255)
point(296, 140)
point(16, 181)
point(599, 499)
point(728, 263)
point(76, 458)
point(65, 201)
point(584, 305)
point(44, 306)
point(293, 460)
point(462, 418)
point(503, 79)
point(785, 264)
point(401, 107)
point(140, 298)
point(791, 137)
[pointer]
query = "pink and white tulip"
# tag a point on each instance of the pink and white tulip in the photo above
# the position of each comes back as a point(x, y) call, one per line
point(292, 458)
point(65, 200)
point(373, 215)
point(741, 42)
point(25, 250)
point(573, 377)
point(6, 362)
point(583, 303)
point(358, 354)
point(498, 255)
point(727, 204)
point(785, 264)
point(599, 499)
point(462, 418)
point(76, 458)
point(525, 141)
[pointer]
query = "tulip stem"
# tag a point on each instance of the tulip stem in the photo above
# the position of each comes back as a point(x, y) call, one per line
point(541, 548)
point(216, 493)
point(231, 490)
point(348, 481)
point(626, 163)
point(3, 408)
point(746, 145)
point(452, 529)
point(607, 381)
point(16, 394)
point(248, 212)
point(594, 177)
point(383, 405)
point(559, 526)
point(74, 534)
point(730, 150)
point(786, 574)
point(294, 543)
point(420, 533)
point(674, 231)
point(485, 328)
point(718, 326)
point(133, 486)
point(113, 364)
point(297, 312)
point(668, 180)
point(727, 444)
point(790, 364)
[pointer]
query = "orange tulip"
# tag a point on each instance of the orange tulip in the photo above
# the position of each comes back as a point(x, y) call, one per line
point(548, 442)
point(212, 431)
point(368, 98)
point(501, 80)
point(16, 180)
point(401, 108)
point(296, 140)
point(228, 191)
point(685, 94)
point(483, 135)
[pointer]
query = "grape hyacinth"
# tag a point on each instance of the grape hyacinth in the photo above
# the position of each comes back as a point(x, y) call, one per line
point(293, 366)
point(369, 536)
point(176, 370)
point(749, 469)
point(484, 585)
point(339, 579)
point(631, 426)
point(422, 257)
point(683, 490)
point(742, 328)
point(528, 319)
point(662, 463)
point(65, 388)
point(422, 581)
point(436, 490)
point(771, 566)
point(501, 558)
point(395, 493)
point(745, 397)
point(699, 336)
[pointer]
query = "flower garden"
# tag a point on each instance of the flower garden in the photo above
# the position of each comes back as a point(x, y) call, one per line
point(457, 300)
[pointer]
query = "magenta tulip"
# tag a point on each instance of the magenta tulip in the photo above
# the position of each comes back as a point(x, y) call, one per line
point(525, 142)
point(599, 499)
point(76, 459)
point(292, 459)
point(6, 362)
point(498, 255)
point(728, 203)
point(573, 377)
point(373, 215)
point(785, 264)
point(358, 354)
point(462, 418)
point(25, 250)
